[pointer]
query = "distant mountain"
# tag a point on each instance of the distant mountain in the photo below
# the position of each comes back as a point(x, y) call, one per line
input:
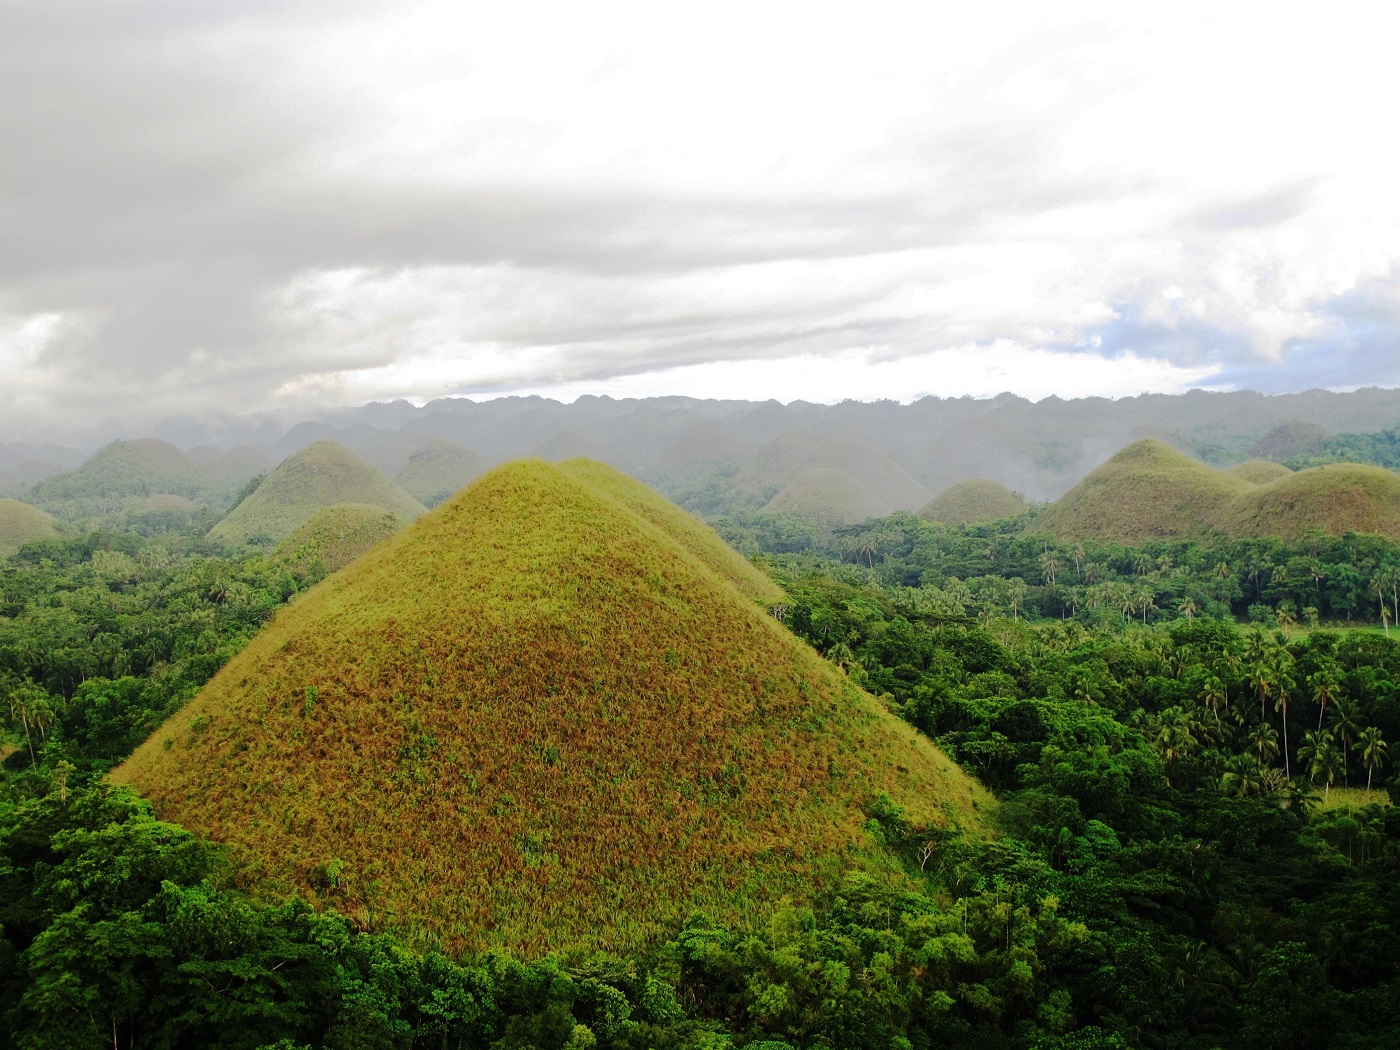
point(783, 459)
point(548, 716)
point(322, 475)
point(1289, 440)
point(828, 497)
point(438, 469)
point(124, 473)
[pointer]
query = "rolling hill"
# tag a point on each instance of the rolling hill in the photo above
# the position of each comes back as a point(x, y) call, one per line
point(790, 454)
point(1339, 498)
point(119, 474)
point(1259, 471)
point(829, 497)
point(549, 715)
point(20, 524)
point(337, 536)
point(977, 499)
point(1148, 491)
point(319, 476)
point(438, 469)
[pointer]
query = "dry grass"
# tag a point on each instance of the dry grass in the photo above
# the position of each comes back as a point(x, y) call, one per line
point(548, 715)
point(438, 469)
point(828, 496)
point(977, 499)
point(20, 524)
point(319, 476)
point(1259, 471)
point(336, 536)
point(1338, 498)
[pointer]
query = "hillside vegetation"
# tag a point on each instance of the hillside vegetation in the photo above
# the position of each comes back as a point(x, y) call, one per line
point(319, 476)
point(1259, 471)
point(335, 537)
point(978, 499)
point(1149, 491)
point(549, 714)
point(1339, 498)
point(828, 496)
point(21, 524)
point(438, 469)
point(120, 474)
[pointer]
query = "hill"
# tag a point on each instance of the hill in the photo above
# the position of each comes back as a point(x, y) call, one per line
point(231, 468)
point(337, 536)
point(1148, 491)
point(1289, 440)
point(828, 497)
point(701, 449)
point(568, 444)
point(319, 476)
point(1259, 471)
point(120, 473)
point(1340, 498)
point(547, 716)
point(438, 469)
point(977, 499)
point(790, 454)
point(20, 524)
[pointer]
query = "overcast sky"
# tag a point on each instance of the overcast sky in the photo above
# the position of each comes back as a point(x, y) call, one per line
point(260, 206)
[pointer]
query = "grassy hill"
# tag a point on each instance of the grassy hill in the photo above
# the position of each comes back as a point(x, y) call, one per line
point(231, 468)
point(1340, 498)
point(548, 715)
point(438, 469)
point(1259, 471)
point(319, 476)
point(789, 455)
point(120, 474)
point(20, 524)
point(829, 497)
point(1148, 491)
point(701, 449)
point(977, 499)
point(1289, 440)
point(337, 536)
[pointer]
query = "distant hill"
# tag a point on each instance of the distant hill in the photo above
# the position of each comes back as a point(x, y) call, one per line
point(336, 536)
point(978, 499)
point(1148, 491)
point(1289, 440)
point(24, 476)
point(231, 469)
point(1259, 471)
point(319, 476)
point(829, 497)
point(704, 448)
point(21, 524)
point(119, 474)
point(1340, 498)
point(569, 444)
point(549, 715)
point(439, 469)
point(789, 455)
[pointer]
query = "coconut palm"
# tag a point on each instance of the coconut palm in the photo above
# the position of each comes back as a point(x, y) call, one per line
point(1215, 696)
point(1325, 689)
point(1242, 777)
point(1372, 749)
point(1188, 607)
point(1347, 726)
point(1264, 743)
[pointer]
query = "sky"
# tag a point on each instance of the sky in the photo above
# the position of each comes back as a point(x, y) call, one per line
point(278, 207)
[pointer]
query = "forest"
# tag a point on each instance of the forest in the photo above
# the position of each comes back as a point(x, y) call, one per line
point(1195, 843)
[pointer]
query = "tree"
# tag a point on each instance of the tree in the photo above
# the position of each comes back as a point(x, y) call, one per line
point(1372, 749)
point(1264, 743)
point(1215, 696)
point(1322, 758)
point(1346, 725)
point(1325, 690)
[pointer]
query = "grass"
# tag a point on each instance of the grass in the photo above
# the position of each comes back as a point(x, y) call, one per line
point(1338, 498)
point(977, 499)
point(1350, 798)
point(829, 497)
point(552, 714)
point(1259, 471)
point(319, 476)
point(1148, 491)
point(438, 469)
point(336, 536)
point(20, 524)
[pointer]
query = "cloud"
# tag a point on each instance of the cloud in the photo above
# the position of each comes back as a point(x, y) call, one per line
point(263, 206)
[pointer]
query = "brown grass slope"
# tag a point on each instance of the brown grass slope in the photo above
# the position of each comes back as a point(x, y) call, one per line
point(790, 454)
point(1148, 491)
point(829, 497)
point(540, 719)
point(977, 499)
point(1339, 498)
point(438, 469)
point(319, 476)
point(337, 536)
point(20, 524)
point(1259, 471)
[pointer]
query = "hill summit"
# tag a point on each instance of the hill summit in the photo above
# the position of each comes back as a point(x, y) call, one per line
point(977, 499)
point(319, 476)
point(548, 715)
point(20, 524)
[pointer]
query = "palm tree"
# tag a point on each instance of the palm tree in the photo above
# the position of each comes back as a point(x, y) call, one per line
point(1325, 690)
point(1215, 696)
point(22, 707)
point(1242, 777)
point(1146, 600)
point(1188, 607)
point(1283, 684)
point(1373, 751)
point(1265, 743)
point(1324, 759)
point(1346, 726)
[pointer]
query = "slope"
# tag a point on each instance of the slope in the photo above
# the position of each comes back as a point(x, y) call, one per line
point(337, 536)
point(321, 475)
point(829, 497)
point(20, 524)
point(438, 469)
point(977, 499)
point(120, 473)
point(537, 719)
point(1148, 491)
point(1339, 498)
point(1259, 471)
point(791, 454)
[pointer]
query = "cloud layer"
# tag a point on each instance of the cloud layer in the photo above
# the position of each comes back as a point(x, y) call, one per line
point(272, 207)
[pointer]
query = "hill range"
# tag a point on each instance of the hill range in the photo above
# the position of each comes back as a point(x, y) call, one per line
point(553, 713)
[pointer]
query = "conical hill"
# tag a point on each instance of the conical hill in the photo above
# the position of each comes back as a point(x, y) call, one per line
point(438, 469)
point(1148, 491)
point(977, 499)
point(1259, 471)
point(337, 536)
point(119, 474)
point(546, 716)
point(1338, 498)
point(829, 497)
point(319, 476)
point(20, 524)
